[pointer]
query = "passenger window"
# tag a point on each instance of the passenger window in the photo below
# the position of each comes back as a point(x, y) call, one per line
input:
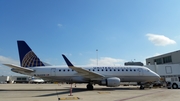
point(122, 69)
point(102, 70)
point(114, 70)
point(118, 69)
point(68, 70)
point(106, 70)
point(126, 69)
point(134, 70)
point(64, 70)
point(130, 69)
point(59, 70)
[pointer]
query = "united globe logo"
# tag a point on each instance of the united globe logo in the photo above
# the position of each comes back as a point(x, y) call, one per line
point(31, 60)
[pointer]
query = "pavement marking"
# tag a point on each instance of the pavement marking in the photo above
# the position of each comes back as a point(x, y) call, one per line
point(133, 97)
point(69, 98)
point(104, 92)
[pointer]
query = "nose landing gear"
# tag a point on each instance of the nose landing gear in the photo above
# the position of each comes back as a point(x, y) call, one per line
point(89, 86)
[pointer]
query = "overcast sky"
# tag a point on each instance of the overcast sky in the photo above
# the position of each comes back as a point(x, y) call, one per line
point(121, 30)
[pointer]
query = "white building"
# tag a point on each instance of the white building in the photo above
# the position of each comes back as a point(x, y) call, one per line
point(4, 79)
point(168, 58)
point(166, 65)
point(14, 79)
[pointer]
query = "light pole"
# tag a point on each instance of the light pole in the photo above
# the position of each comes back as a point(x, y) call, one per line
point(97, 56)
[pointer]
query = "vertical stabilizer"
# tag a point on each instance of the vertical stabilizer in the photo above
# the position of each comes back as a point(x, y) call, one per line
point(27, 57)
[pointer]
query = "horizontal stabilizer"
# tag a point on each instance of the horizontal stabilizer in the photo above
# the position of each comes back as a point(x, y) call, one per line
point(28, 70)
point(46, 64)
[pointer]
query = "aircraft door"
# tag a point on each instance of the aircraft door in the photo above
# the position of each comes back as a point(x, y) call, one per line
point(140, 71)
point(53, 71)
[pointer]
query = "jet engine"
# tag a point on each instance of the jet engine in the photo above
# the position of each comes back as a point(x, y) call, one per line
point(111, 82)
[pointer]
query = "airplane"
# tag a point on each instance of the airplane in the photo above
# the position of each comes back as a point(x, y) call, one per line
point(109, 76)
point(36, 80)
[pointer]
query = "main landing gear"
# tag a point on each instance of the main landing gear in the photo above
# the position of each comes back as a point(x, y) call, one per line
point(141, 87)
point(89, 86)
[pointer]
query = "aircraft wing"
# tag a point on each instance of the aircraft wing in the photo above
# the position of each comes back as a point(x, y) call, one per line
point(85, 73)
point(20, 69)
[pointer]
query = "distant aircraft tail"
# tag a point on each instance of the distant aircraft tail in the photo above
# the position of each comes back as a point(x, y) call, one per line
point(27, 57)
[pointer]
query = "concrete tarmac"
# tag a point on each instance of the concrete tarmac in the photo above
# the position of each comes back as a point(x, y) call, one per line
point(59, 92)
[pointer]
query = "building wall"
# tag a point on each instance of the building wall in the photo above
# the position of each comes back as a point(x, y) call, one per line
point(3, 79)
point(175, 58)
point(13, 79)
point(133, 64)
point(166, 70)
point(20, 79)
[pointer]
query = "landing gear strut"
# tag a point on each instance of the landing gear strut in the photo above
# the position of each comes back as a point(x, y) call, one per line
point(141, 87)
point(89, 86)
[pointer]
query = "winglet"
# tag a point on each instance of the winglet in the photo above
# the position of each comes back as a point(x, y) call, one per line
point(67, 61)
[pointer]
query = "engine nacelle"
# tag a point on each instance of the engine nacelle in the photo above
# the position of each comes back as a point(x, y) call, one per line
point(111, 82)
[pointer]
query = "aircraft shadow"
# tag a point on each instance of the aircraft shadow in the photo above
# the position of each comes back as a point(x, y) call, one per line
point(32, 89)
point(77, 90)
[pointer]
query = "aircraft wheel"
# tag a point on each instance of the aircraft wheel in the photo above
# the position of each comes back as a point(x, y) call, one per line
point(141, 86)
point(90, 87)
point(175, 86)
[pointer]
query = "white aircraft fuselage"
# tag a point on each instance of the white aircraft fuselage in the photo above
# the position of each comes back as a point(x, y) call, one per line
point(124, 73)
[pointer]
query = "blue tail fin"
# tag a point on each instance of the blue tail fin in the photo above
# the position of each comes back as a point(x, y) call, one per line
point(27, 57)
